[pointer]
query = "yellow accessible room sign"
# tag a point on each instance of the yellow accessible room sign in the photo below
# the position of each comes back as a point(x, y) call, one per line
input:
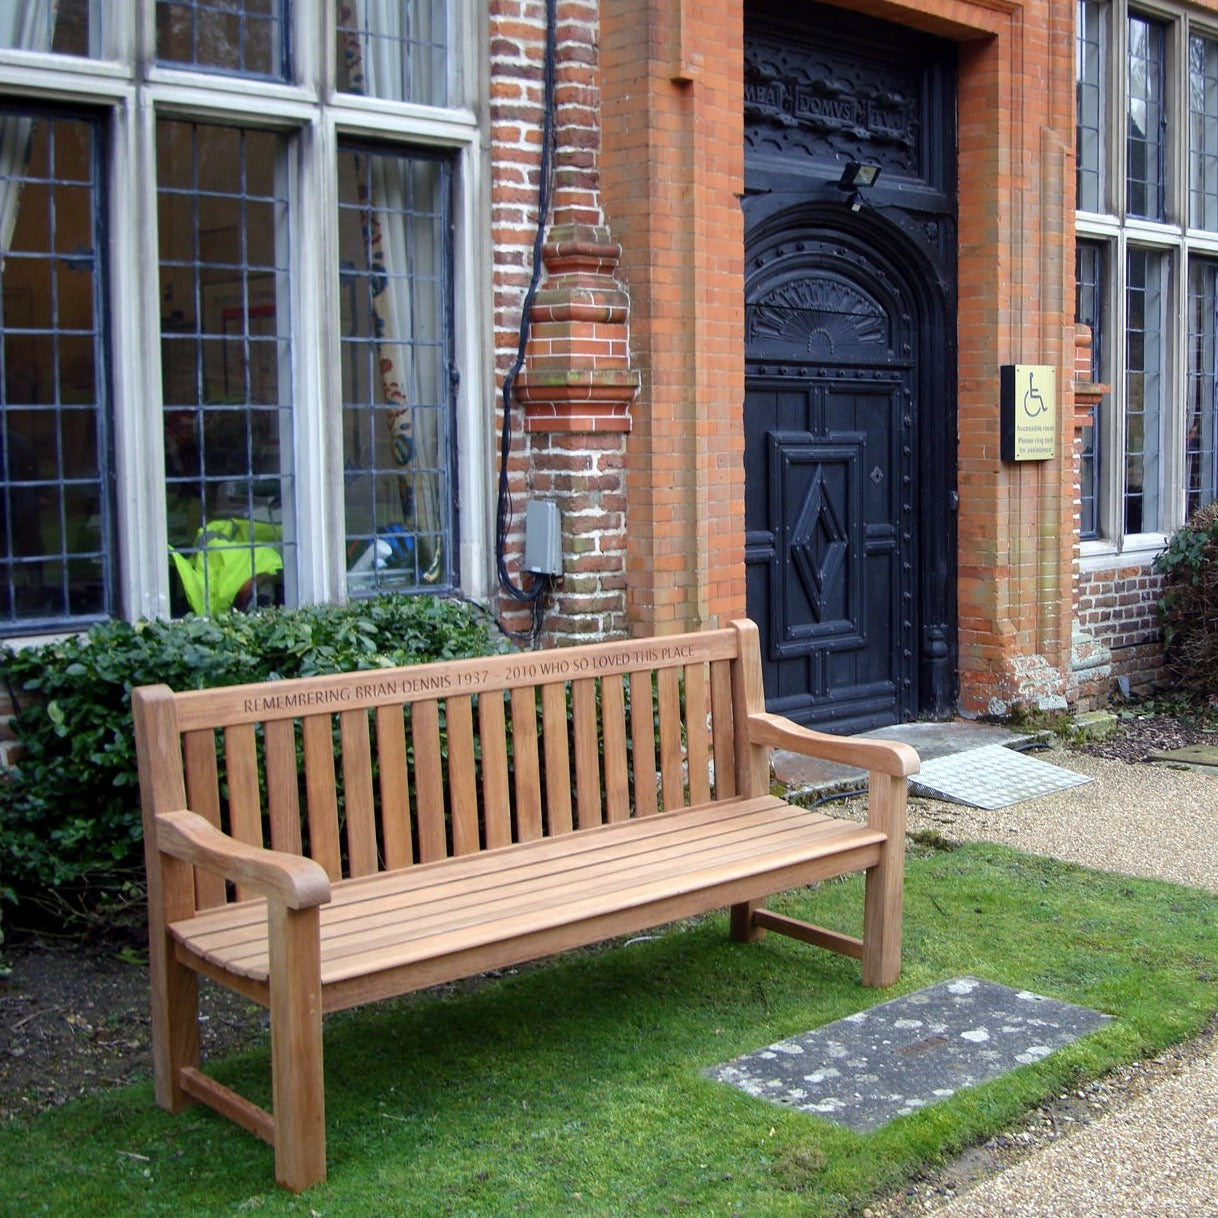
point(1028, 412)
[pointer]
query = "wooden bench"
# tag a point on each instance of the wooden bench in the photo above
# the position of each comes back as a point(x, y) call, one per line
point(551, 819)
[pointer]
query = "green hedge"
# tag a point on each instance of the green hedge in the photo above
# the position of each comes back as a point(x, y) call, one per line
point(1188, 606)
point(70, 833)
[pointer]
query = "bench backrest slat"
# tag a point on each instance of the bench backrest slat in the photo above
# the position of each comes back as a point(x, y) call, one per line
point(722, 740)
point(643, 744)
point(556, 746)
point(321, 798)
point(203, 797)
point(360, 813)
point(587, 754)
point(671, 758)
point(282, 785)
point(428, 781)
point(616, 761)
point(397, 836)
point(462, 776)
point(496, 796)
point(526, 765)
point(241, 773)
point(697, 753)
point(384, 769)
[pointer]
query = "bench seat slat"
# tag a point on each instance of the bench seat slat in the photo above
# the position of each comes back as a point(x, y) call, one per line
point(437, 918)
point(439, 902)
point(490, 863)
point(673, 840)
point(404, 928)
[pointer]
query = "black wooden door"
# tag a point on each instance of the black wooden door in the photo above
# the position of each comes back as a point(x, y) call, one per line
point(849, 413)
point(830, 458)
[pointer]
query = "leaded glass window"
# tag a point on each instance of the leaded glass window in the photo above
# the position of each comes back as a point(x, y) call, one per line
point(232, 263)
point(1147, 118)
point(226, 378)
point(1145, 384)
point(245, 37)
point(1089, 309)
point(393, 49)
point(1200, 450)
point(58, 27)
point(1203, 132)
point(56, 494)
point(394, 216)
point(1089, 100)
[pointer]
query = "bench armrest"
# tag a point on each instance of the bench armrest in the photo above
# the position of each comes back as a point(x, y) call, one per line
point(886, 756)
point(299, 883)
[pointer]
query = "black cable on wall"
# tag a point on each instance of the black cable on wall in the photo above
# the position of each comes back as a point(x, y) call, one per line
point(503, 515)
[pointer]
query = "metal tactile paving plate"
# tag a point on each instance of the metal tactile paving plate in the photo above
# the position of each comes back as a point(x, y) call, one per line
point(992, 777)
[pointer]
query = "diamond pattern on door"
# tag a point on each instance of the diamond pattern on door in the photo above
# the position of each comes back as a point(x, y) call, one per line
point(819, 544)
point(817, 519)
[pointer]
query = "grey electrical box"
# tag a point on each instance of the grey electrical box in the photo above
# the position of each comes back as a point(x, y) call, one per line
point(542, 538)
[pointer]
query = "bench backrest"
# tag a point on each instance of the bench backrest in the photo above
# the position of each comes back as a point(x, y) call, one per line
point(381, 769)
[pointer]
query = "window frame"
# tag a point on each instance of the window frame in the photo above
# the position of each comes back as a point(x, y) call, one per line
point(1119, 232)
point(131, 91)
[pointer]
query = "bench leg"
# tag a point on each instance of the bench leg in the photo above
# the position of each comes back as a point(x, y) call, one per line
point(175, 1000)
point(885, 885)
point(743, 929)
point(297, 1080)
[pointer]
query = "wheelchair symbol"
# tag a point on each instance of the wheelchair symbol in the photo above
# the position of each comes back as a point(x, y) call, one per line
point(1033, 403)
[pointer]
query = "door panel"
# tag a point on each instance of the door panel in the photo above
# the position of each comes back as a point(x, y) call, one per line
point(826, 576)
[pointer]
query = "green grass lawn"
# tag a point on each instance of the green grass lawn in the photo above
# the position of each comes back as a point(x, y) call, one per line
point(575, 1088)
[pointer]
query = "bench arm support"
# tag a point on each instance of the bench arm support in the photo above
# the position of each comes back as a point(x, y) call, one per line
point(296, 882)
point(886, 756)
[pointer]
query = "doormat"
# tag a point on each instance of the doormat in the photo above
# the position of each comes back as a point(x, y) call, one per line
point(900, 1056)
point(992, 776)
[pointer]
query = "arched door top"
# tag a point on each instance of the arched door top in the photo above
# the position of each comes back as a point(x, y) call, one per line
point(875, 286)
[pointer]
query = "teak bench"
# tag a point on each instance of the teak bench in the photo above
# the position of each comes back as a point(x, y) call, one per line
point(580, 793)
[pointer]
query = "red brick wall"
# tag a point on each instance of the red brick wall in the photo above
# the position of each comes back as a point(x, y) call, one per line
point(672, 170)
point(570, 409)
point(1116, 606)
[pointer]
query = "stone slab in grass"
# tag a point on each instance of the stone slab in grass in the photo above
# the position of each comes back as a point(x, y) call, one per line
point(900, 1056)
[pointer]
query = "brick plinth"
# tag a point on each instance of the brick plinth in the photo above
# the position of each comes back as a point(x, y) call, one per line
point(584, 475)
point(577, 374)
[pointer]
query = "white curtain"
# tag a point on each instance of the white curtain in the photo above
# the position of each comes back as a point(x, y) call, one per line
point(25, 25)
point(402, 255)
point(395, 49)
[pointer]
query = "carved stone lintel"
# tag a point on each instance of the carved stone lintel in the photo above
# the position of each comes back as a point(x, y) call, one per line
point(800, 102)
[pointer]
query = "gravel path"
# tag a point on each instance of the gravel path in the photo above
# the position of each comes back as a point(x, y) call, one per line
point(1155, 1155)
point(1145, 820)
